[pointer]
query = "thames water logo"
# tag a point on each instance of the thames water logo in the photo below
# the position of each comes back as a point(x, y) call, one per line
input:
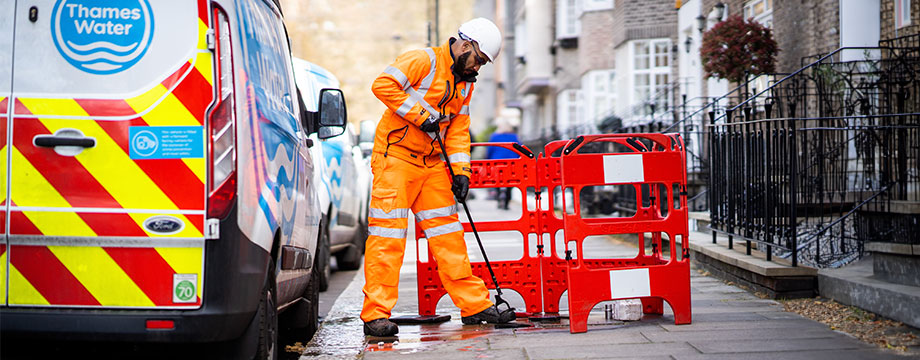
point(102, 36)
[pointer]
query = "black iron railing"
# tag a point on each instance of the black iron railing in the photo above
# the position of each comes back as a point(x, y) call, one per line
point(687, 117)
point(824, 160)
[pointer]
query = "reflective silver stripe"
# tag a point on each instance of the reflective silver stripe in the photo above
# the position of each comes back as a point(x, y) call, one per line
point(444, 229)
point(107, 241)
point(400, 213)
point(465, 110)
point(426, 81)
point(398, 74)
point(435, 213)
point(443, 134)
point(418, 97)
point(386, 232)
point(459, 157)
point(406, 106)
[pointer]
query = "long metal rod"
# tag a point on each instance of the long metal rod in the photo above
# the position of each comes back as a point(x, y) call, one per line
point(498, 289)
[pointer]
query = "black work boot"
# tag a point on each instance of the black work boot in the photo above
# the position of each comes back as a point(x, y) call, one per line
point(489, 315)
point(380, 328)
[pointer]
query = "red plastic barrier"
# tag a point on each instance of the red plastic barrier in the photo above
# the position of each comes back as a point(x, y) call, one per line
point(648, 162)
point(520, 275)
point(542, 279)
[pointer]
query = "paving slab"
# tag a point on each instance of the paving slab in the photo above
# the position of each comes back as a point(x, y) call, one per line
point(607, 337)
point(743, 346)
point(560, 350)
point(737, 334)
point(792, 324)
point(729, 309)
point(798, 355)
point(699, 318)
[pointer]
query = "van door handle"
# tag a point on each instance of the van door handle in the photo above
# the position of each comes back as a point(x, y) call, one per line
point(51, 141)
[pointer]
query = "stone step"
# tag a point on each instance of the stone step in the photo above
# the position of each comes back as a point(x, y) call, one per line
point(856, 285)
point(776, 279)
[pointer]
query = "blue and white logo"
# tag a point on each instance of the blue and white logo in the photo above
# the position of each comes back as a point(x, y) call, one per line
point(102, 36)
point(144, 143)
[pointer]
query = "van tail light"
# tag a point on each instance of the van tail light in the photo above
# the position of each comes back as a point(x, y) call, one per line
point(222, 128)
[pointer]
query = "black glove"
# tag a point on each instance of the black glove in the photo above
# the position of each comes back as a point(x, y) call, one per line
point(461, 187)
point(431, 124)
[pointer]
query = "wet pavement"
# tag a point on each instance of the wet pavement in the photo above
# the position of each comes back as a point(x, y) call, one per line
point(728, 322)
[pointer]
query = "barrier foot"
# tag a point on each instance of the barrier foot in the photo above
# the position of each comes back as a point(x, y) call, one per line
point(578, 321)
point(579, 310)
point(550, 317)
point(420, 319)
point(681, 309)
point(652, 305)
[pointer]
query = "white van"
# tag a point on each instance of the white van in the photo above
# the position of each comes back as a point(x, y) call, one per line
point(158, 178)
point(346, 178)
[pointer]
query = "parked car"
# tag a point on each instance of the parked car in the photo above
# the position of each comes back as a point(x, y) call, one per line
point(160, 175)
point(346, 181)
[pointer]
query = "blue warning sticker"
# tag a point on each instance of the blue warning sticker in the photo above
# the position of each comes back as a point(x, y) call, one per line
point(166, 142)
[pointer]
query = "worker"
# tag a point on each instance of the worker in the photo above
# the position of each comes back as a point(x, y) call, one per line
point(504, 132)
point(426, 91)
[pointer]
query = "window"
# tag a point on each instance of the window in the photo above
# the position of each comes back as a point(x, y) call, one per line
point(651, 71)
point(568, 105)
point(567, 23)
point(520, 39)
point(600, 94)
point(593, 5)
point(901, 13)
point(760, 10)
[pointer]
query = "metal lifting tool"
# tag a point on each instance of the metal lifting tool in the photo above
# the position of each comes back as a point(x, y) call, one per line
point(498, 296)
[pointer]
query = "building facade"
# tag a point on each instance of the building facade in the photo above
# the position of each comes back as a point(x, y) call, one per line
point(569, 65)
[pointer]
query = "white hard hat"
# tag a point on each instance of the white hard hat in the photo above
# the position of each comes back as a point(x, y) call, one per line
point(484, 32)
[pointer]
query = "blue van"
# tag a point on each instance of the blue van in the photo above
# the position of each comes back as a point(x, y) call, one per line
point(160, 179)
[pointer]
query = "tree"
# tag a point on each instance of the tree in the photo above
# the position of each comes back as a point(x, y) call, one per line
point(735, 48)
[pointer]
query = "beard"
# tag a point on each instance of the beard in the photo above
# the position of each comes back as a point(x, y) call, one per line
point(461, 71)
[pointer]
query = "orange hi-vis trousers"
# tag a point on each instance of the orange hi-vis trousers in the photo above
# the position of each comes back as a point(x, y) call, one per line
point(398, 187)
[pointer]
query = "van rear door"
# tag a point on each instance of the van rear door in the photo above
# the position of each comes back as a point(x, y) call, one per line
point(6, 78)
point(107, 164)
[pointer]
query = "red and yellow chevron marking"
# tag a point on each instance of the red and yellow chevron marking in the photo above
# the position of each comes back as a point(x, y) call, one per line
point(3, 269)
point(102, 177)
point(100, 276)
point(4, 104)
point(105, 176)
point(203, 21)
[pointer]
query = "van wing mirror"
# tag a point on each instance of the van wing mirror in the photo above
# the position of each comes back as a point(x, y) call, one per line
point(366, 137)
point(332, 113)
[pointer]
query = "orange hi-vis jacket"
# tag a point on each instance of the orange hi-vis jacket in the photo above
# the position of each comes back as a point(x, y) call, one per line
point(417, 76)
